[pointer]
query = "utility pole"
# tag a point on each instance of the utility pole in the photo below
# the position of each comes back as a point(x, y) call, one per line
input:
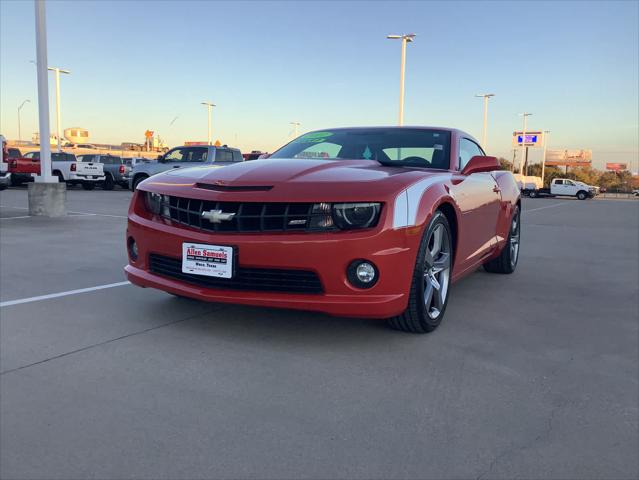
point(523, 142)
point(57, 71)
point(210, 106)
point(295, 128)
point(405, 38)
point(543, 161)
point(20, 108)
point(485, 96)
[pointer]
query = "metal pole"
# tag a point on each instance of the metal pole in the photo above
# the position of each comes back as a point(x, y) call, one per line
point(209, 124)
point(543, 160)
point(401, 82)
point(523, 143)
point(295, 128)
point(57, 107)
point(483, 140)
point(43, 93)
point(19, 123)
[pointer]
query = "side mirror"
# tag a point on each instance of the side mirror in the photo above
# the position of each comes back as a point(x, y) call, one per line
point(481, 163)
point(161, 158)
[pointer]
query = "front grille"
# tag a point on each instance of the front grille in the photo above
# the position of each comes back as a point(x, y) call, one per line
point(257, 279)
point(248, 216)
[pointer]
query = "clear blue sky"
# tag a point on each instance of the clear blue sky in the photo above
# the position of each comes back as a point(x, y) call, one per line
point(137, 65)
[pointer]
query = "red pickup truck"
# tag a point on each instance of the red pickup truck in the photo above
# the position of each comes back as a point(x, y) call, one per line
point(21, 167)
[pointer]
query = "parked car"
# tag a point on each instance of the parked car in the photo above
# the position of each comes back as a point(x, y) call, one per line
point(116, 170)
point(5, 176)
point(564, 187)
point(22, 169)
point(67, 168)
point(636, 192)
point(187, 156)
point(362, 222)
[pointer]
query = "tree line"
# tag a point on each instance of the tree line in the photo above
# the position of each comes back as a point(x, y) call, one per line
point(622, 181)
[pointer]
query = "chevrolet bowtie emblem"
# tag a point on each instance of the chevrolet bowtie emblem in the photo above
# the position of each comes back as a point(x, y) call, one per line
point(217, 216)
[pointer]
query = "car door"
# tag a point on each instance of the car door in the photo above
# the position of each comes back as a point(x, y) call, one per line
point(174, 158)
point(479, 200)
point(571, 187)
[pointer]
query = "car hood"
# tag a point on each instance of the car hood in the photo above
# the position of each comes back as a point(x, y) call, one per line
point(302, 179)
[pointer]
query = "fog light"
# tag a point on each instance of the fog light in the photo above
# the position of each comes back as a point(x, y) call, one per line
point(133, 249)
point(362, 274)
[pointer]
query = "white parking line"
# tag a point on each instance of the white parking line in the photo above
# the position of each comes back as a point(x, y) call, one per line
point(13, 218)
point(8, 303)
point(75, 214)
point(547, 206)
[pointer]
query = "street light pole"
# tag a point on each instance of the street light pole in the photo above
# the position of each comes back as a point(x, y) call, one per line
point(295, 127)
point(543, 161)
point(210, 108)
point(485, 96)
point(523, 142)
point(20, 108)
point(406, 38)
point(57, 71)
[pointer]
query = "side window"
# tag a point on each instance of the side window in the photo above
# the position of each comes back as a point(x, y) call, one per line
point(196, 154)
point(223, 155)
point(467, 150)
point(237, 156)
point(116, 160)
point(106, 160)
point(175, 155)
point(559, 182)
point(569, 182)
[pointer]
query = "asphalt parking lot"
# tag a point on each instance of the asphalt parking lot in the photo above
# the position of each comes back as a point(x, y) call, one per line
point(533, 375)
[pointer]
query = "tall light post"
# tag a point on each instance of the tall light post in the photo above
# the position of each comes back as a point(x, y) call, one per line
point(543, 161)
point(296, 126)
point(485, 96)
point(20, 108)
point(57, 71)
point(406, 38)
point(210, 108)
point(523, 141)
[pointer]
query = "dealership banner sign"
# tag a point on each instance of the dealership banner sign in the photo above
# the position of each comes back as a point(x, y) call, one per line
point(570, 158)
point(617, 167)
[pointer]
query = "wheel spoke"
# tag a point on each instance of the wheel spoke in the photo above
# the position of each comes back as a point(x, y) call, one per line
point(441, 263)
point(438, 235)
point(438, 299)
point(428, 294)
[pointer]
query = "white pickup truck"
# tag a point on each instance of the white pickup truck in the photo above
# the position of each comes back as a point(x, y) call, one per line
point(564, 187)
point(68, 169)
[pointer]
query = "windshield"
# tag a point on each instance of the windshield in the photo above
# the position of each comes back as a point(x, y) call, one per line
point(399, 146)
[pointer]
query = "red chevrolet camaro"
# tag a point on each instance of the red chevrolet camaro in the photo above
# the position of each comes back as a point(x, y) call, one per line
point(360, 222)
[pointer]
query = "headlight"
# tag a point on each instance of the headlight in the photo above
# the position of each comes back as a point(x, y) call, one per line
point(355, 215)
point(153, 202)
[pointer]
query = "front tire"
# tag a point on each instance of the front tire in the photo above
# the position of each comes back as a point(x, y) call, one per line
point(507, 260)
point(430, 287)
point(138, 180)
point(582, 195)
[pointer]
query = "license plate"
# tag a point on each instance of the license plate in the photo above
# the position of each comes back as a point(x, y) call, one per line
point(207, 260)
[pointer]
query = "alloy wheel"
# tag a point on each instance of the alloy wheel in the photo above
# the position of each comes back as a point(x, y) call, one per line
point(437, 271)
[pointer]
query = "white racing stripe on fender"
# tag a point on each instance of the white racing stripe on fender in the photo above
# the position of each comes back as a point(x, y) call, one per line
point(8, 303)
point(407, 202)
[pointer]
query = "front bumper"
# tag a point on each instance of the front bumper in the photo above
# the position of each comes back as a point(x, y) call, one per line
point(5, 179)
point(326, 254)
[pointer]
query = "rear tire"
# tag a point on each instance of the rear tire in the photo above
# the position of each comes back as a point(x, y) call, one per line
point(532, 194)
point(507, 260)
point(430, 288)
point(60, 176)
point(88, 185)
point(108, 183)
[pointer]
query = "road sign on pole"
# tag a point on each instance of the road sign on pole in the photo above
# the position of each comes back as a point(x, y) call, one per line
point(533, 139)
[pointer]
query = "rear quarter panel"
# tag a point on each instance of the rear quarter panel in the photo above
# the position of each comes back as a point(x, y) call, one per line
point(510, 197)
